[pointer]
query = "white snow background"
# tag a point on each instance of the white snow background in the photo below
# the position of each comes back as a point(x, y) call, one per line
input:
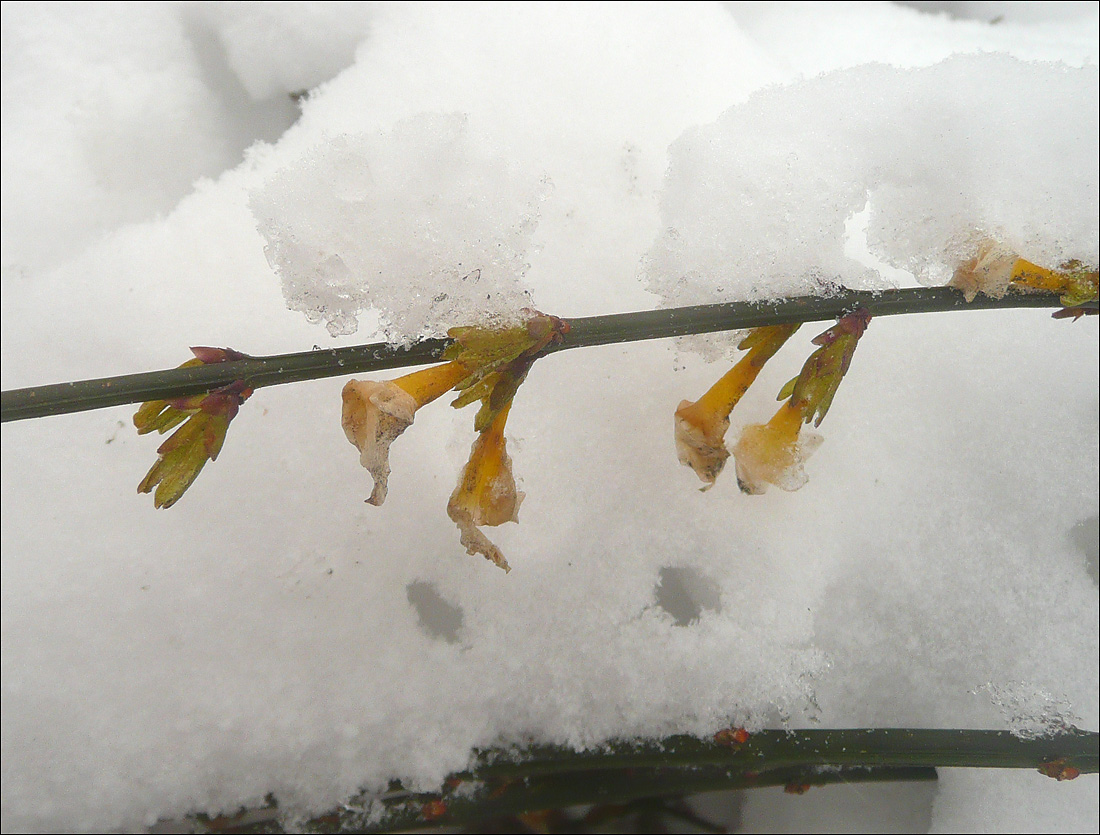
point(274, 634)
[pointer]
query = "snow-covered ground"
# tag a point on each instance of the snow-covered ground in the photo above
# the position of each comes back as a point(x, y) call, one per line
point(166, 183)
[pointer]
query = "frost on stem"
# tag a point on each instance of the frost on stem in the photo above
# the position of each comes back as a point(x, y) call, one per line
point(775, 452)
point(996, 269)
point(701, 425)
point(205, 419)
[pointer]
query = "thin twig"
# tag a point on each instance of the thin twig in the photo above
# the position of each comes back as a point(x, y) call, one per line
point(63, 398)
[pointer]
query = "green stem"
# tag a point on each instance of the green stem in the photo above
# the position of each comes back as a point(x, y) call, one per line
point(511, 782)
point(771, 749)
point(487, 801)
point(63, 398)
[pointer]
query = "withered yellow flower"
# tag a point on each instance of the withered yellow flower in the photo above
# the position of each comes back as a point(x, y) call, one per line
point(996, 268)
point(484, 364)
point(205, 419)
point(775, 452)
point(701, 425)
point(500, 359)
point(486, 493)
point(989, 271)
point(375, 415)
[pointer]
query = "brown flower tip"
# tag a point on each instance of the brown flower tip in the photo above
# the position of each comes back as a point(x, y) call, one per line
point(486, 493)
point(700, 426)
point(375, 414)
point(205, 419)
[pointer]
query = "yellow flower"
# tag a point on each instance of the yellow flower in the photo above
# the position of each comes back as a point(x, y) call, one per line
point(484, 364)
point(775, 452)
point(701, 425)
point(486, 493)
point(375, 414)
point(205, 419)
point(499, 361)
point(996, 268)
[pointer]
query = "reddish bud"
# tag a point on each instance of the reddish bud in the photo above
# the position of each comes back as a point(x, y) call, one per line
point(1059, 769)
point(433, 810)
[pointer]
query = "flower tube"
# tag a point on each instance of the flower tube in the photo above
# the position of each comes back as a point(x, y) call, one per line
point(775, 452)
point(701, 425)
point(486, 493)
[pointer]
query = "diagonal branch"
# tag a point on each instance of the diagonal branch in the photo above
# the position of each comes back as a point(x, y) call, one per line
point(63, 398)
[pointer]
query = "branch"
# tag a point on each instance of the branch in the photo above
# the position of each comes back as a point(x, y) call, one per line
point(63, 398)
point(515, 782)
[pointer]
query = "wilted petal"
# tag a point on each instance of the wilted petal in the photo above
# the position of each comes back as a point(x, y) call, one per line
point(774, 452)
point(486, 493)
point(989, 272)
point(375, 415)
point(700, 443)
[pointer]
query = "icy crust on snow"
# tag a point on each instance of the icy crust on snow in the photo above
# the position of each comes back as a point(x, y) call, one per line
point(423, 223)
point(755, 205)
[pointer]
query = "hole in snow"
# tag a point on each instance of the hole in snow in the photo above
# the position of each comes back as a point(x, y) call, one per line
point(684, 593)
point(1085, 535)
point(438, 618)
point(246, 120)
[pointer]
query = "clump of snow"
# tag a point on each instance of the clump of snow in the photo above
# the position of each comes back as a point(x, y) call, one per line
point(755, 205)
point(272, 634)
point(425, 223)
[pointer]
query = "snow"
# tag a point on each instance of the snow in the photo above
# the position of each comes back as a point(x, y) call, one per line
point(273, 634)
point(425, 223)
point(755, 204)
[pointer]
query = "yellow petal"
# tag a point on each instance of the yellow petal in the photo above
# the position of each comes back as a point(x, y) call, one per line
point(486, 492)
point(774, 452)
point(429, 384)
